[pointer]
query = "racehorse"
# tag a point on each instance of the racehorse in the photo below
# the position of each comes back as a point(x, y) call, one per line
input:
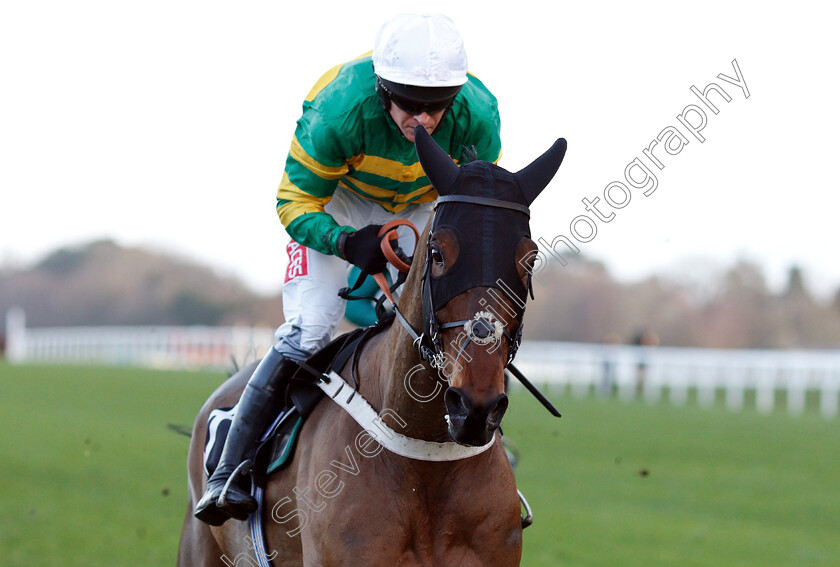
point(430, 485)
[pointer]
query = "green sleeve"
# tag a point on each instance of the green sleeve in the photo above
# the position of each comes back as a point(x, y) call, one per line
point(317, 231)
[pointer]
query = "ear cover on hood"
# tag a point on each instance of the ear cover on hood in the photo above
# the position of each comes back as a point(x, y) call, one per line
point(438, 166)
point(487, 236)
point(447, 177)
point(535, 177)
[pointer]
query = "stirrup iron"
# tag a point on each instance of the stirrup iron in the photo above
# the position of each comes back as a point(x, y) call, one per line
point(244, 469)
point(528, 518)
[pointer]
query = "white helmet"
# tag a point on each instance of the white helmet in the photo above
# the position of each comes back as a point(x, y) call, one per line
point(423, 50)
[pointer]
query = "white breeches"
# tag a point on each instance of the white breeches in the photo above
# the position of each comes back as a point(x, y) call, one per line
point(311, 306)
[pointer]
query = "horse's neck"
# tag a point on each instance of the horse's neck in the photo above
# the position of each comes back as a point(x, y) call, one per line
point(405, 371)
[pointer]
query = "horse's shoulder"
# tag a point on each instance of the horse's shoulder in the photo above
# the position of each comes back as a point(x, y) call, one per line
point(376, 346)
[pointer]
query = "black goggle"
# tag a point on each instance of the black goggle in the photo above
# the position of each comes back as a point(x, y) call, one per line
point(415, 107)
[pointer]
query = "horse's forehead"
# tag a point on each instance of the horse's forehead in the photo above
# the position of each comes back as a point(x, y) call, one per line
point(484, 179)
point(484, 224)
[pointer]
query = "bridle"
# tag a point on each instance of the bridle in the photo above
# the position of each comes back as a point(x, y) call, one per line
point(479, 330)
point(429, 343)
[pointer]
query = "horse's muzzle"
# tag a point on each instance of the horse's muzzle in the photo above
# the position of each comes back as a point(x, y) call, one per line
point(470, 423)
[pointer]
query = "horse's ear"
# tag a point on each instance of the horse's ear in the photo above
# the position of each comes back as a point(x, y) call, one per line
point(438, 166)
point(535, 177)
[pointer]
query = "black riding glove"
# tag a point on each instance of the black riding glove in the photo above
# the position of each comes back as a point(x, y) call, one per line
point(363, 249)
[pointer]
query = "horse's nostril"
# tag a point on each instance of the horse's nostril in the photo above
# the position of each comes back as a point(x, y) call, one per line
point(497, 411)
point(456, 401)
point(471, 423)
point(460, 404)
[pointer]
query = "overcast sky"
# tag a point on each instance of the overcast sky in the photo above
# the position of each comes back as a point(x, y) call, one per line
point(167, 123)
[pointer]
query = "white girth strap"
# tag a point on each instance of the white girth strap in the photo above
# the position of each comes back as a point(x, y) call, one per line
point(360, 410)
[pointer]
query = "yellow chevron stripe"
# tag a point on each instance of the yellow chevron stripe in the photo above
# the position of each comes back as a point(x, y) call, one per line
point(427, 198)
point(327, 78)
point(389, 168)
point(422, 191)
point(367, 190)
point(300, 203)
point(397, 202)
point(384, 204)
point(319, 169)
point(392, 169)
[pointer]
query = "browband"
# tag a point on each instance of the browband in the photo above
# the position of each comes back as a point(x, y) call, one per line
point(483, 201)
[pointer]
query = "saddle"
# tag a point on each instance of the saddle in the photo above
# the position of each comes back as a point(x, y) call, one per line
point(277, 444)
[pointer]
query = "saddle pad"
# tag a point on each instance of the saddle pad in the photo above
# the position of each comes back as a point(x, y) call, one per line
point(272, 452)
point(277, 446)
point(284, 443)
point(218, 426)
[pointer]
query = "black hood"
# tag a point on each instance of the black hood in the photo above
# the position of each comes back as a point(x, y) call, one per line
point(489, 213)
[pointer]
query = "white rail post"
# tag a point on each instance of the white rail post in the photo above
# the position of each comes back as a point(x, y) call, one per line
point(796, 389)
point(582, 377)
point(765, 390)
point(653, 385)
point(706, 385)
point(829, 393)
point(627, 374)
point(735, 388)
point(15, 335)
point(679, 383)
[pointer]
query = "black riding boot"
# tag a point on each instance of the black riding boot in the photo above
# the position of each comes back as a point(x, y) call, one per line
point(252, 412)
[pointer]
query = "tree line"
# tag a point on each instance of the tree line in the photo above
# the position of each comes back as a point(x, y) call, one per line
point(102, 283)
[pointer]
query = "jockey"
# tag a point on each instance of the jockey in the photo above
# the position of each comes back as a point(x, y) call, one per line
point(352, 167)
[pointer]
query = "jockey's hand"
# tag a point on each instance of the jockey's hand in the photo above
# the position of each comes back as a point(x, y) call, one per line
point(363, 249)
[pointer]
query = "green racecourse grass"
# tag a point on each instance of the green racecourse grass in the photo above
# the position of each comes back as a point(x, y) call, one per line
point(90, 475)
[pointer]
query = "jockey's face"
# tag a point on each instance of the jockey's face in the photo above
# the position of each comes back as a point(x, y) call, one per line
point(406, 122)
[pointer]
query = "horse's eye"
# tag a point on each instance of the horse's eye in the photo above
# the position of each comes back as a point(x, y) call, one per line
point(437, 257)
point(530, 264)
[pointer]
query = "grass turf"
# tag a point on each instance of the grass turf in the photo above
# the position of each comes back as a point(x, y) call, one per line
point(91, 475)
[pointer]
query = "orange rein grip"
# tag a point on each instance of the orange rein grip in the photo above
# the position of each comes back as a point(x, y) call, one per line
point(383, 285)
point(389, 231)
